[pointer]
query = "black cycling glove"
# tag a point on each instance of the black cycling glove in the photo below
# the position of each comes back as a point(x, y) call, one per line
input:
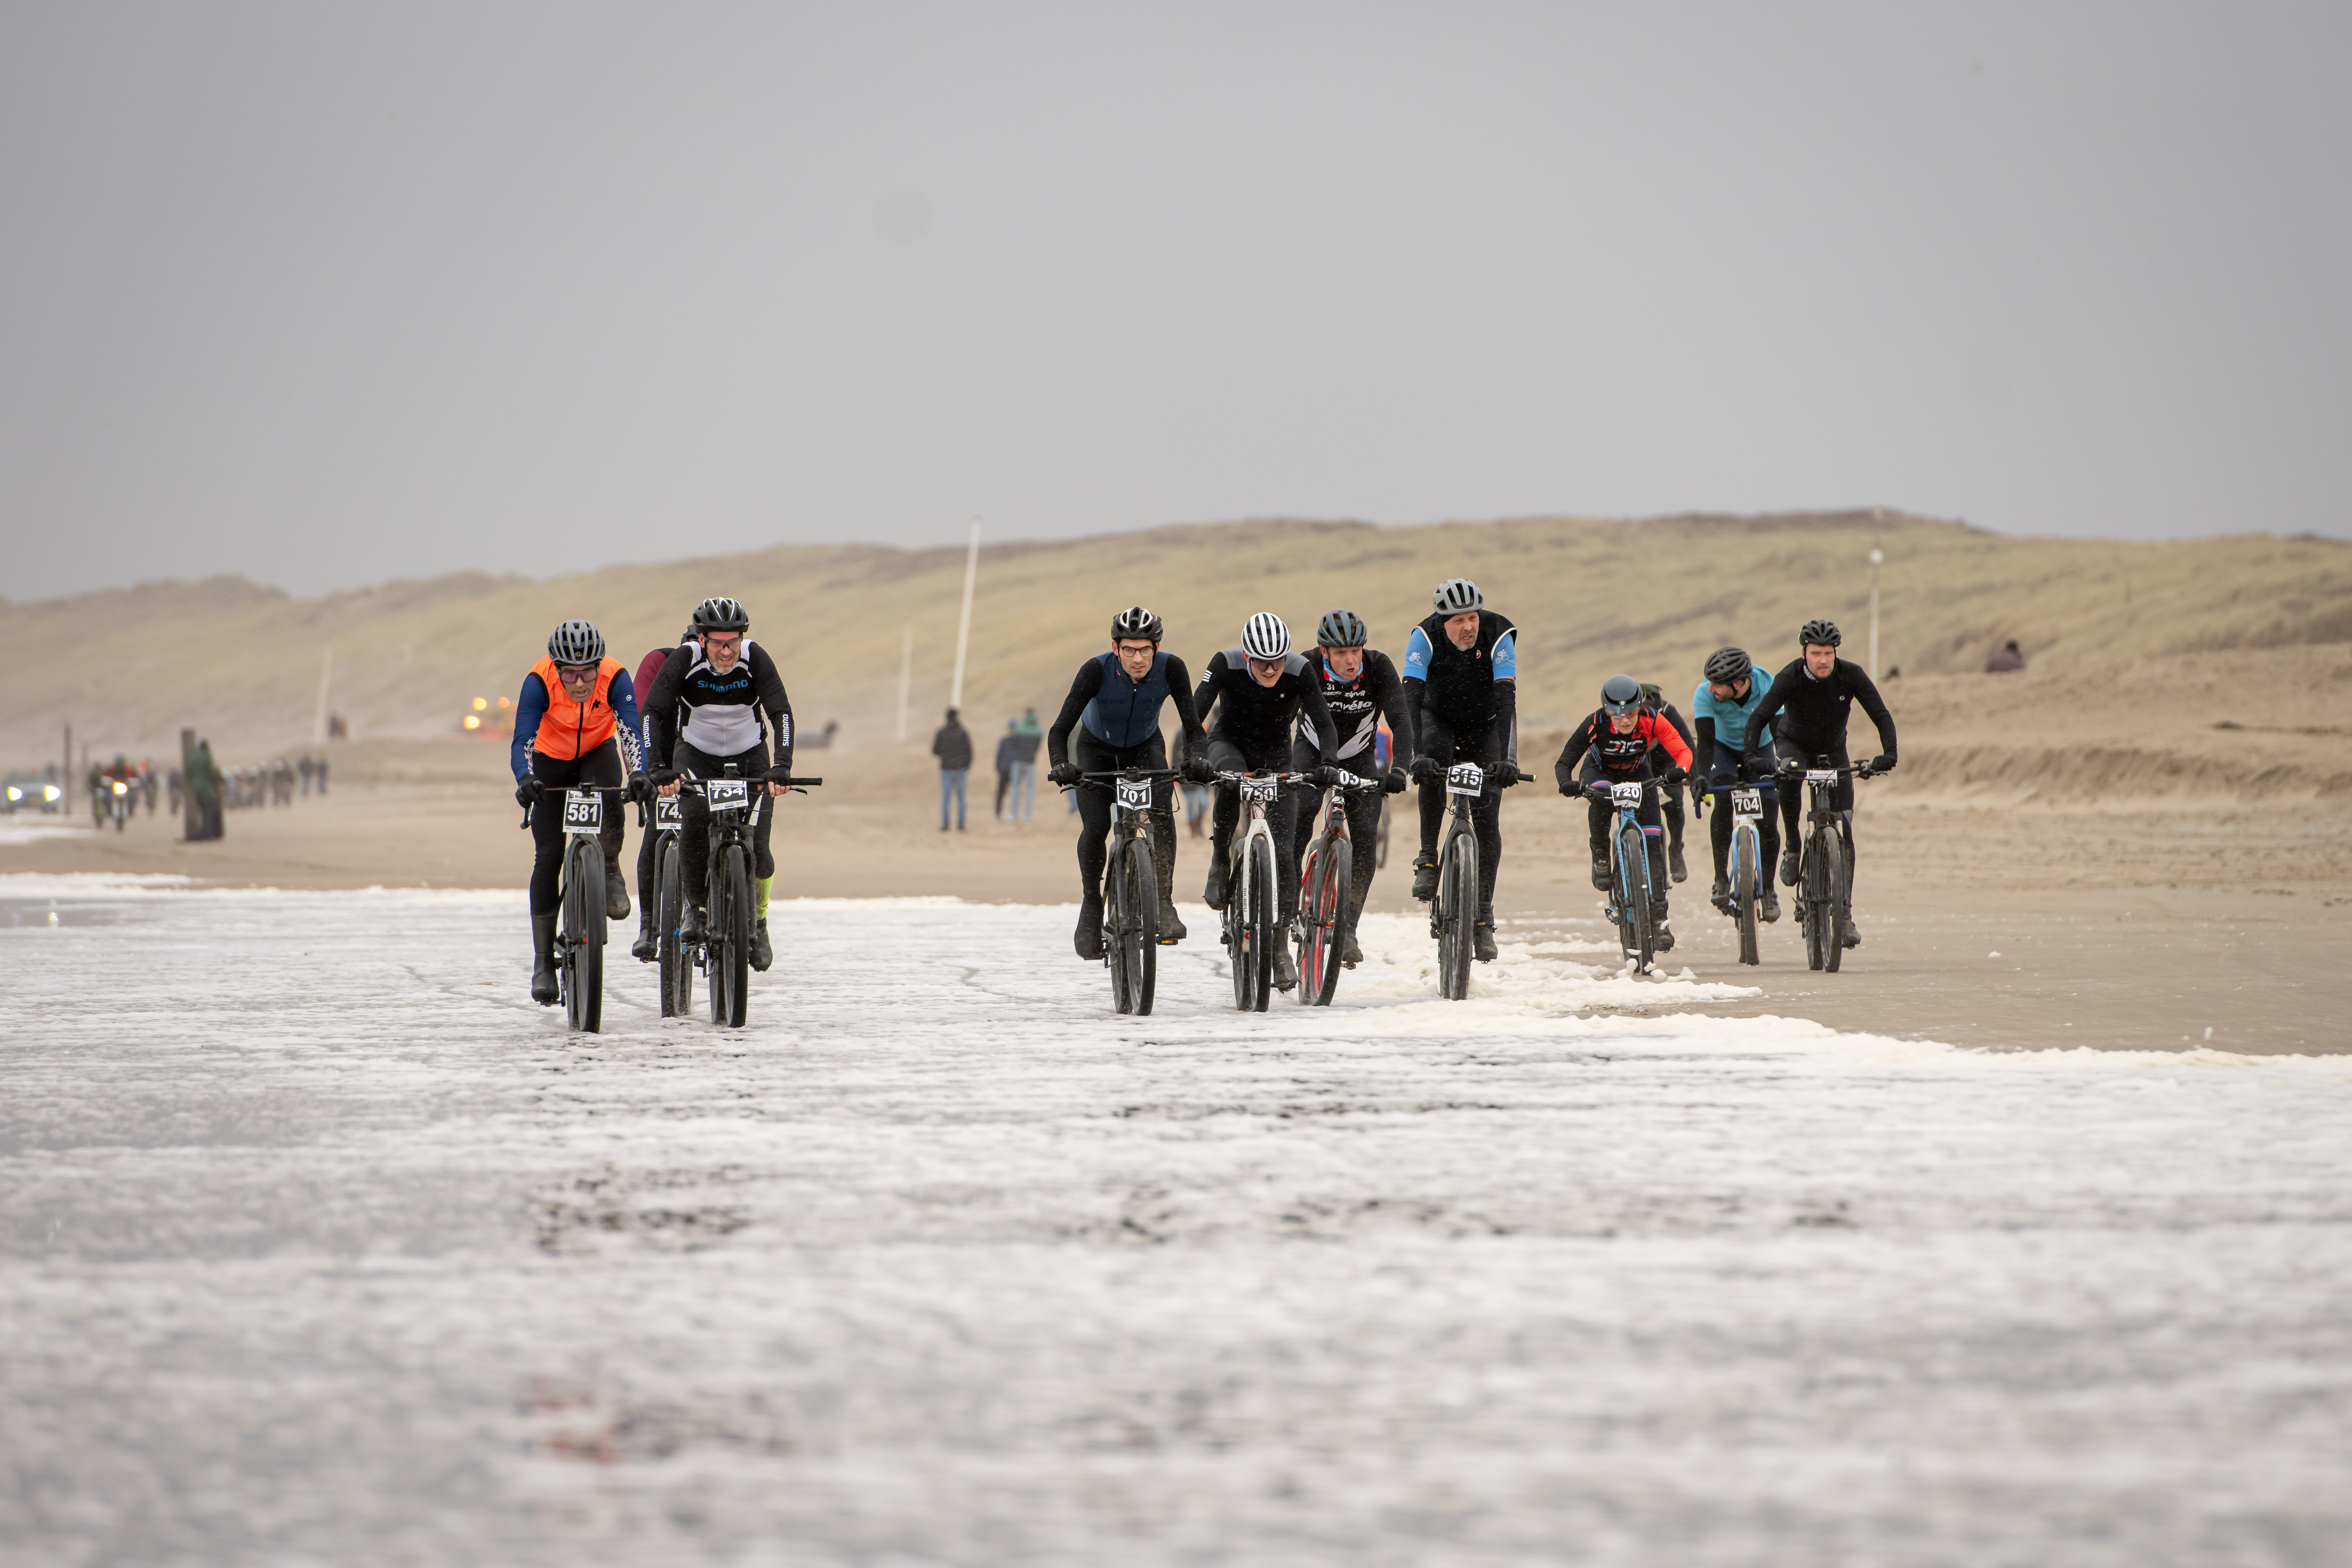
point(1883, 764)
point(1504, 777)
point(1395, 782)
point(527, 792)
point(662, 778)
point(1426, 770)
point(1062, 774)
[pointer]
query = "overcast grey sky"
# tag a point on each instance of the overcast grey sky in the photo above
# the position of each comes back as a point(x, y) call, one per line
point(329, 294)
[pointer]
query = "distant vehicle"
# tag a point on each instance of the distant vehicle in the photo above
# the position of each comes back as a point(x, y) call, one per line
point(31, 792)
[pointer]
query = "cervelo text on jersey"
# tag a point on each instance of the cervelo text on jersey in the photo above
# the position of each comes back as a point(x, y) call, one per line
point(1460, 682)
point(1357, 705)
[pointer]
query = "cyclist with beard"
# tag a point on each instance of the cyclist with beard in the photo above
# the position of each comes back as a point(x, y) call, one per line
point(703, 713)
point(1260, 691)
point(1818, 693)
point(1360, 686)
point(575, 723)
point(1110, 721)
point(644, 950)
point(1726, 695)
point(1620, 736)
point(1461, 674)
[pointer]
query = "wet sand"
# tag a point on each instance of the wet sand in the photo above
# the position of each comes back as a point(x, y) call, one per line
point(2128, 923)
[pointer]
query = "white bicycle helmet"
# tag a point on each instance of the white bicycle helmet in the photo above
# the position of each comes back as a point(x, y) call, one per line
point(1265, 637)
point(1457, 596)
point(575, 642)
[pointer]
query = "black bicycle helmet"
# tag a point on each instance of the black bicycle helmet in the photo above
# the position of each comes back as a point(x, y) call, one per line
point(1726, 665)
point(1457, 596)
point(721, 616)
point(1816, 633)
point(575, 642)
point(1341, 628)
point(1135, 621)
point(1621, 694)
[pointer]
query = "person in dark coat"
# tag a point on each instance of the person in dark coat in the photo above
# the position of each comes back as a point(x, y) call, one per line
point(1004, 749)
point(952, 746)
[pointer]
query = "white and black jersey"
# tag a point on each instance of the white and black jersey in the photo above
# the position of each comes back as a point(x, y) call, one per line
point(717, 715)
point(1257, 717)
point(1358, 706)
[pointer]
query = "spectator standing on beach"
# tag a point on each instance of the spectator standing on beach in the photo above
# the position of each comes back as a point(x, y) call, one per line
point(1026, 736)
point(205, 783)
point(1005, 763)
point(952, 746)
point(2007, 659)
point(307, 768)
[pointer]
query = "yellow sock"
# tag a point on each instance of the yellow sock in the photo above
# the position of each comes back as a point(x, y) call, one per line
point(759, 899)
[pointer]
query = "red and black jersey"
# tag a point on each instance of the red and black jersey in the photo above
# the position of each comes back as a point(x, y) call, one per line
point(1621, 758)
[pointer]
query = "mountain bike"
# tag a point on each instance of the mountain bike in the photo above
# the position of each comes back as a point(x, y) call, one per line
point(579, 890)
point(1825, 874)
point(724, 954)
point(119, 803)
point(1323, 875)
point(1251, 929)
point(1130, 887)
point(1748, 868)
point(1454, 913)
point(672, 964)
point(1630, 889)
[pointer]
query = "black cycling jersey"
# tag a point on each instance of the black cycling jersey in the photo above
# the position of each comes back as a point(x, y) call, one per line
point(1256, 718)
point(1818, 708)
point(1135, 727)
point(717, 715)
point(1357, 707)
point(1468, 688)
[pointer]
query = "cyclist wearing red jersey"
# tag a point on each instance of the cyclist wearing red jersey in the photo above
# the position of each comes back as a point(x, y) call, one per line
point(1619, 737)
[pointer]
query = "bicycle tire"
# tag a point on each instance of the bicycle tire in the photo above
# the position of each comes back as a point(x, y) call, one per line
point(1457, 912)
point(1264, 903)
point(587, 955)
point(735, 932)
point(1637, 937)
point(1236, 915)
point(1140, 939)
point(1746, 863)
point(1812, 907)
point(1834, 878)
point(676, 975)
point(1114, 925)
point(1327, 913)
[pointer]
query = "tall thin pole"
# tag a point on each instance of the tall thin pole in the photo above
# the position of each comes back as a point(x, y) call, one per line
point(963, 628)
point(906, 676)
point(326, 669)
point(1876, 556)
point(65, 773)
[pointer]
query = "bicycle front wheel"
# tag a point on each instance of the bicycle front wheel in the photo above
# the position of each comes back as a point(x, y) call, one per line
point(1139, 937)
point(583, 944)
point(1746, 888)
point(1264, 932)
point(1457, 913)
point(1815, 903)
point(1326, 904)
point(1236, 918)
point(1633, 937)
point(730, 968)
point(1833, 898)
point(677, 974)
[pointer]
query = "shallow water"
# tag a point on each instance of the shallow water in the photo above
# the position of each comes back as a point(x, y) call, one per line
point(319, 1243)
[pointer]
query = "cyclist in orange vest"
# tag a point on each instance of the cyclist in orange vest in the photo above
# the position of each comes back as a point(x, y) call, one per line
point(575, 723)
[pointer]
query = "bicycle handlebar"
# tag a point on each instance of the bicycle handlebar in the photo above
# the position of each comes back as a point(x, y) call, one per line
point(585, 789)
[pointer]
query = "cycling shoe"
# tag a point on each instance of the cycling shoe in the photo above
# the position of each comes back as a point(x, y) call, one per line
point(1424, 876)
point(763, 955)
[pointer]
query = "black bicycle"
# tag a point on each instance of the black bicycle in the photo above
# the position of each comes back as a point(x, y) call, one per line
point(673, 964)
point(1825, 874)
point(1324, 873)
point(1252, 896)
point(1130, 887)
point(1747, 869)
point(580, 932)
point(724, 954)
point(1454, 913)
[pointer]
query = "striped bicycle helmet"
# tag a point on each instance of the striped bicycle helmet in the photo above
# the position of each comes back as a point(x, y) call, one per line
point(1341, 628)
point(1457, 596)
point(1265, 637)
point(575, 642)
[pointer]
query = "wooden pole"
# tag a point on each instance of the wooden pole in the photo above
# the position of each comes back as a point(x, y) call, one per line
point(964, 629)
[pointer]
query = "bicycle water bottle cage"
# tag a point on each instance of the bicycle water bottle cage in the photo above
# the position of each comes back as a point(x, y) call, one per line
point(1465, 778)
point(1747, 802)
point(583, 811)
point(1263, 791)
point(1628, 796)
point(1135, 795)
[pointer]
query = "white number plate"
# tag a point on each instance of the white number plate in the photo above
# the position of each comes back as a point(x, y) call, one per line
point(1263, 790)
point(1821, 775)
point(668, 811)
point(1747, 803)
point(1135, 795)
point(1465, 778)
point(728, 795)
point(1627, 794)
point(1349, 781)
point(583, 811)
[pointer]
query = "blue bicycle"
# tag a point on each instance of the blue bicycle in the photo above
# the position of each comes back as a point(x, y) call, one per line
point(1630, 894)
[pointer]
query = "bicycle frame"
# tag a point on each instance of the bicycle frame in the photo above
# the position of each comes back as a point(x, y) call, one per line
point(1315, 930)
point(1626, 800)
point(1250, 951)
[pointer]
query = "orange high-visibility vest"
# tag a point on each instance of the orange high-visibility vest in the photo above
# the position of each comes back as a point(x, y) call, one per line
point(572, 729)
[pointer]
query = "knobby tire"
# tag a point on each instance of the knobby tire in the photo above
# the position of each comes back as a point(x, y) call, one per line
point(1635, 938)
point(1265, 900)
point(1457, 900)
point(1835, 878)
point(675, 972)
point(736, 930)
point(1138, 950)
point(1323, 902)
point(583, 939)
point(1746, 891)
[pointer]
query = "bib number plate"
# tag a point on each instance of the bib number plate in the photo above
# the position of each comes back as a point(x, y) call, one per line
point(583, 811)
point(1135, 795)
point(1821, 775)
point(1747, 803)
point(728, 795)
point(1465, 778)
point(669, 812)
point(1264, 792)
